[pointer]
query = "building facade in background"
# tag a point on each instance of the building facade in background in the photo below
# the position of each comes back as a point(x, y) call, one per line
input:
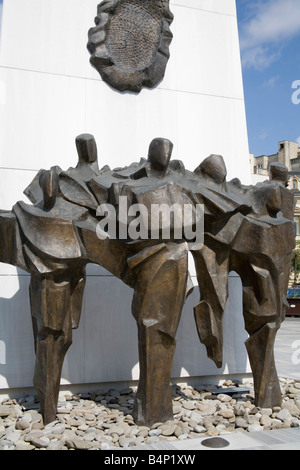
point(289, 155)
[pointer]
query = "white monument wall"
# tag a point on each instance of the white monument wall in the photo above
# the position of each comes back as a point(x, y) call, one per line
point(49, 94)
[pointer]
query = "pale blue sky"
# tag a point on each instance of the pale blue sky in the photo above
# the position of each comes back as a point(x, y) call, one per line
point(270, 47)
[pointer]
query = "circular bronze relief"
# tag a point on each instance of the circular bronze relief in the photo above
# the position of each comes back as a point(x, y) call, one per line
point(130, 44)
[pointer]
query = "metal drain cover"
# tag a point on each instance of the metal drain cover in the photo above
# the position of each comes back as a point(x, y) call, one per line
point(215, 443)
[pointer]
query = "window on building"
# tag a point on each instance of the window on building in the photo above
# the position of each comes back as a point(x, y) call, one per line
point(295, 184)
point(297, 220)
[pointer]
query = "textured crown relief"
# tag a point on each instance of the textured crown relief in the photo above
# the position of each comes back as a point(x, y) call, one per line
point(129, 45)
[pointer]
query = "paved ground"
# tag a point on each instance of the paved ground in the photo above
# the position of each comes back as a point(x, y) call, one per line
point(280, 439)
point(287, 356)
point(287, 348)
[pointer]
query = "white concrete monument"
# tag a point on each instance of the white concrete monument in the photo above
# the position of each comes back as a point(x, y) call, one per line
point(49, 94)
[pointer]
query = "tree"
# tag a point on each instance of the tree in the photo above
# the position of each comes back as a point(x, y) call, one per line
point(295, 265)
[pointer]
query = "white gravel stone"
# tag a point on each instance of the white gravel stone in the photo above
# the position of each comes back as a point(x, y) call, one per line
point(255, 427)
point(155, 432)
point(283, 415)
point(104, 420)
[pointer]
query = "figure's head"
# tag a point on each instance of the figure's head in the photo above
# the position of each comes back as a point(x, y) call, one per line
point(49, 185)
point(86, 148)
point(279, 172)
point(213, 168)
point(159, 155)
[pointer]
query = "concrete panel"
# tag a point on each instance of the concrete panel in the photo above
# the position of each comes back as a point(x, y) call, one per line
point(40, 119)
point(13, 183)
point(203, 130)
point(190, 356)
point(16, 338)
point(48, 36)
point(110, 333)
point(124, 127)
point(206, 53)
point(226, 7)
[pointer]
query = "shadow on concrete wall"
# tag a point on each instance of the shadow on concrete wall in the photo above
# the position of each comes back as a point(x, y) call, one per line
point(105, 346)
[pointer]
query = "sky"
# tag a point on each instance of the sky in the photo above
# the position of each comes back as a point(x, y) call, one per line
point(269, 33)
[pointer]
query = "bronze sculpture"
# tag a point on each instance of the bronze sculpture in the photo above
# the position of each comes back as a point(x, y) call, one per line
point(77, 217)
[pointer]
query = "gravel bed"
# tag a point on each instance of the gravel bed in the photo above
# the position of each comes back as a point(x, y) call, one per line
point(102, 419)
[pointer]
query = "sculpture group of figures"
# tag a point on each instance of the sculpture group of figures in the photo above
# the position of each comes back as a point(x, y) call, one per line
point(246, 229)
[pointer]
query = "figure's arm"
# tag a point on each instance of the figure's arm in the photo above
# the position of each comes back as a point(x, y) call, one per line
point(10, 240)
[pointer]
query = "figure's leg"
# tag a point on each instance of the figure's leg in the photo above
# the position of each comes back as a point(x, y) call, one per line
point(157, 304)
point(212, 267)
point(154, 398)
point(260, 347)
point(51, 348)
point(52, 326)
point(262, 308)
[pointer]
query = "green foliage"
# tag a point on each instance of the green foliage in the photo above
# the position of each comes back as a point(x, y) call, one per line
point(295, 266)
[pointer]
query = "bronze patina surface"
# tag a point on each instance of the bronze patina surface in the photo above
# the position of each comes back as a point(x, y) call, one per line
point(247, 229)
